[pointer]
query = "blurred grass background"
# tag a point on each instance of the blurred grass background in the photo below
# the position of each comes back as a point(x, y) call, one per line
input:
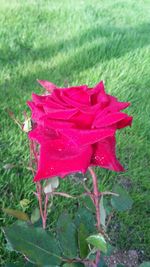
point(78, 42)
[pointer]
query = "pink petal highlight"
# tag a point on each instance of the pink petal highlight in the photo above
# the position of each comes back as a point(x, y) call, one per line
point(47, 85)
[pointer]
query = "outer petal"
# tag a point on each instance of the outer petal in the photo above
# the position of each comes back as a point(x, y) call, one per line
point(86, 137)
point(49, 123)
point(46, 101)
point(43, 135)
point(59, 114)
point(37, 111)
point(76, 96)
point(70, 160)
point(105, 155)
point(47, 85)
point(98, 95)
point(109, 119)
point(124, 123)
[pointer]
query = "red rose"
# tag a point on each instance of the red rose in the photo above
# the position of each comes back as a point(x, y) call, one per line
point(75, 128)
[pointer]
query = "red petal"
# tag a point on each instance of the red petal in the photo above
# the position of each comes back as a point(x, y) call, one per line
point(105, 155)
point(111, 118)
point(62, 162)
point(43, 135)
point(98, 95)
point(37, 111)
point(61, 114)
point(76, 96)
point(124, 123)
point(86, 137)
point(45, 121)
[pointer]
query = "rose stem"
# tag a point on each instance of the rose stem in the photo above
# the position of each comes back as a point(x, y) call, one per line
point(33, 152)
point(96, 197)
point(45, 211)
point(39, 189)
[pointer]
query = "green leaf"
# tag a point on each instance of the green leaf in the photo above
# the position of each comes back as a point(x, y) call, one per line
point(86, 217)
point(36, 244)
point(76, 264)
point(98, 242)
point(82, 235)
point(145, 264)
point(21, 264)
point(88, 202)
point(123, 201)
point(102, 213)
point(67, 236)
point(35, 216)
point(11, 265)
point(17, 214)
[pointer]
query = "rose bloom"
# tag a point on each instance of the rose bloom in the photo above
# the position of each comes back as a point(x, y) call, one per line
point(75, 128)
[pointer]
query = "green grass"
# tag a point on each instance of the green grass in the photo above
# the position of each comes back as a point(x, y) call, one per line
point(78, 42)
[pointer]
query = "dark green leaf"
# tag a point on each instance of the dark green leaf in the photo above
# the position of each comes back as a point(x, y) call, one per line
point(11, 265)
point(67, 236)
point(145, 264)
point(73, 265)
point(17, 214)
point(98, 242)
point(88, 203)
point(123, 201)
point(21, 264)
point(82, 235)
point(102, 213)
point(86, 217)
point(39, 246)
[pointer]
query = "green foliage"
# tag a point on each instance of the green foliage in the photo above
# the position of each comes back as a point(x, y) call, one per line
point(98, 242)
point(73, 265)
point(67, 235)
point(39, 246)
point(21, 264)
point(82, 235)
point(145, 264)
point(122, 202)
point(87, 218)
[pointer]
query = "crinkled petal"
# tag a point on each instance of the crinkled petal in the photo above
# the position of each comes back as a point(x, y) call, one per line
point(105, 155)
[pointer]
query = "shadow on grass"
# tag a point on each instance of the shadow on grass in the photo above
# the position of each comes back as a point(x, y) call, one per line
point(84, 51)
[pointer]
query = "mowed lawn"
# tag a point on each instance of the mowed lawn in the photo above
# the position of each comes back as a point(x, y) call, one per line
point(77, 42)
